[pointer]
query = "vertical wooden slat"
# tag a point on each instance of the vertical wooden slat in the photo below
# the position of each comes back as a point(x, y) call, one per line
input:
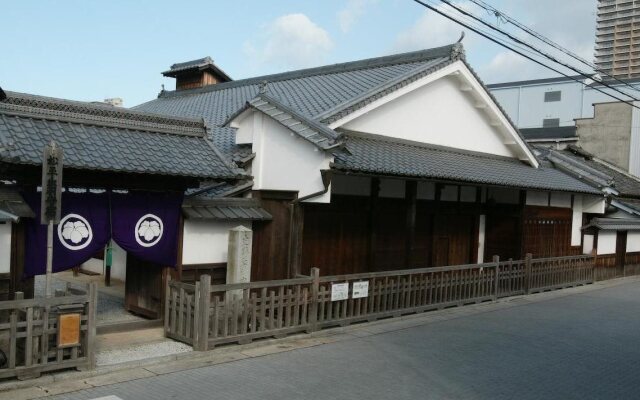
point(13, 333)
point(28, 352)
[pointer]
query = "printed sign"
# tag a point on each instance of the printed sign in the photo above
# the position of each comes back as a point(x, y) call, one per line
point(68, 330)
point(339, 291)
point(360, 289)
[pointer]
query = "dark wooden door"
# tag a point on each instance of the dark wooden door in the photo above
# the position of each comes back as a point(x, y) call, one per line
point(453, 237)
point(502, 237)
point(621, 249)
point(144, 287)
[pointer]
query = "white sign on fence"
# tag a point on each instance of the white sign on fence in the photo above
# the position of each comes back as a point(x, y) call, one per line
point(339, 291)
point(360, 289)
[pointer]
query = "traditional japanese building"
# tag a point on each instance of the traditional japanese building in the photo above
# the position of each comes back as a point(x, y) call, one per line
point(393, 162)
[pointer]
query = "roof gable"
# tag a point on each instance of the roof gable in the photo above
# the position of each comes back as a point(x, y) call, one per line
point(448, 106)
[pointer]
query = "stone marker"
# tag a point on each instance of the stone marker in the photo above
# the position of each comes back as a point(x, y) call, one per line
point(239, 257)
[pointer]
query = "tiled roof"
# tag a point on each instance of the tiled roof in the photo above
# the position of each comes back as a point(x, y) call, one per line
point(614, 224)
point(579, 169)
point(312, 93)
point(624, 183)
point(389, 156)
point(228, 209)
point(308, 129)
point(199, 64)
point(555, 133)
point(102, 137)
point(12, 205)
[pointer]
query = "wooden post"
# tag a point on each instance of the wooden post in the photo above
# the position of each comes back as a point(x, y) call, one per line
point(91, 324)
point(411, 191)
point(527, 273)
point(315, 289)
point(372, 223)
point(205, 306)
point(496, 261)
point(167, 293)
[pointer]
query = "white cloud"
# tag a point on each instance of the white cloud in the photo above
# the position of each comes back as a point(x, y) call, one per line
point(432, 30)
point(351, 13)
point(290, 41)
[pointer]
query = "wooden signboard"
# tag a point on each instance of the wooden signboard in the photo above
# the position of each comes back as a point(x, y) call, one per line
point(51, 183)
point(68, 330)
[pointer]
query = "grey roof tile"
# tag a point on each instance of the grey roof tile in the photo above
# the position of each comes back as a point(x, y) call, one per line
point(98, 137)
point(614, 224)
point(389, 156)
point(227, 209)
point(309, 92)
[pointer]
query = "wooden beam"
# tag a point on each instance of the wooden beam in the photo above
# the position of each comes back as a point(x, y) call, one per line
point(411, 192)
point(372, 226)
point(296, 239)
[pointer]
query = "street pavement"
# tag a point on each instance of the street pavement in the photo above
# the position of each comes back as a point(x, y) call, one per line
point(580, 346)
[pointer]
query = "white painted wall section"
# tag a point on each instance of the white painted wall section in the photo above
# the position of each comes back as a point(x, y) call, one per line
point(535, 198)
point(606, 242)
point(587, 245)
point(576, 221)
point(481, 234)
point(206, 241)
point(560, 200)
point(633, 242)
point(593, 204)
point(285, 161)
point(5, 247)
point(437, 113)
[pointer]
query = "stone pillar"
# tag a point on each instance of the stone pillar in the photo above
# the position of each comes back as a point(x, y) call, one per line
point(239, 257)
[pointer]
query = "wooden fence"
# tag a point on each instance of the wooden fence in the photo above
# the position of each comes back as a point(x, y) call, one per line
point(29, 333)
point(206, 315)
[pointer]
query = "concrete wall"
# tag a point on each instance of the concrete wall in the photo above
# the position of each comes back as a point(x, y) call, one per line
point(587, 244)
point(206, 241)
point(606, 242)
point(5, 247)
point(608, 134)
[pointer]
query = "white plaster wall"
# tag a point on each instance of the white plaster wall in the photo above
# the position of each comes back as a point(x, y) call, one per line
point(560, 200)
point(481, 235)
point(503, 195)
point(118, 262)
point(606, 242)
point(535, 198)
point(426, 191)
point(576, 221)
point(587, 245)
point(392, 188)
point(351, 185)
point(93, 265)
point(633, 241)
point(436, 113)
point(206, 241)
point(593, 204)
point(285, 161)
point(5, 247)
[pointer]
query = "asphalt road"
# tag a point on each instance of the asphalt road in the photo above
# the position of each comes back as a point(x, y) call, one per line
point(583, 346)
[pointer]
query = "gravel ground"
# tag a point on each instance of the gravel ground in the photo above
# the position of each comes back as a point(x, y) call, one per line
point(110, 308)
point(134, 353)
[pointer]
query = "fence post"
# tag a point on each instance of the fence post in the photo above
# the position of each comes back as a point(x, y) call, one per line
point(527, 273)
point(205, 307)
point(167, 296)
point(496, 261)
point(315, 289)
point(91, 324)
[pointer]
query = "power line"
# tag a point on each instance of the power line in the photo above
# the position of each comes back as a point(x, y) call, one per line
point(542, 53)
point(489, 8)
point(486, 36)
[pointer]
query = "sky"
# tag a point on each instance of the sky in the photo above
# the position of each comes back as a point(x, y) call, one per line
point(91, 50)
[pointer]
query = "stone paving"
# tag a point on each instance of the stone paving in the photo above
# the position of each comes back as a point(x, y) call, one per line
point(573, 344)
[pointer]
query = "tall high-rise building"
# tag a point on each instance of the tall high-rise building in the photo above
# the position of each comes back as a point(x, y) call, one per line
point(617, 50)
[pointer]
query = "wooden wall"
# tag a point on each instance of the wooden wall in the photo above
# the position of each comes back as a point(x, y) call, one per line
point(547, 232)
point(270, 256)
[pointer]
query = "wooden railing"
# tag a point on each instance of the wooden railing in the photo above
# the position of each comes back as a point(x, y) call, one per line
point(29, 333)
point(206, 315)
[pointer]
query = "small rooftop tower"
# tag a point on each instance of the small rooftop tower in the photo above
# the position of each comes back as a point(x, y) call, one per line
point(196, 74)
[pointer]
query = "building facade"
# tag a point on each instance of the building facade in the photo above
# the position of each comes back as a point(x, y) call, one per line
point(617, 50)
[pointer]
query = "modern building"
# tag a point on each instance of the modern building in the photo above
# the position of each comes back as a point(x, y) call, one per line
point(617, 50)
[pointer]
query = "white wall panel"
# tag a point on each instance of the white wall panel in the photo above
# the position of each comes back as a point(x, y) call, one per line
point(206, 241)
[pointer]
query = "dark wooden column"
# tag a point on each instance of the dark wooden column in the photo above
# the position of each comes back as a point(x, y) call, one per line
point(372, 226)
point(411, 191)
point(297, 230)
